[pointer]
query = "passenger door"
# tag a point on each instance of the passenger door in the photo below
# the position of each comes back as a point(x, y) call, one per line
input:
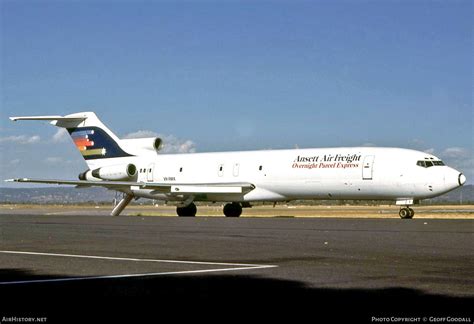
point(368, 167)
point(149, 172)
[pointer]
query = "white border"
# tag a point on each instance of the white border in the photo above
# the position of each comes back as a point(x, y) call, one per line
point(229, 267)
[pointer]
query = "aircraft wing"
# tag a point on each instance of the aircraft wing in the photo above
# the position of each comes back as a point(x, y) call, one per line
point(167, 188)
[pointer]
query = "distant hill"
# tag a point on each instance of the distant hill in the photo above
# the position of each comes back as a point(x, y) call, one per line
point(69, 195)
point(49, 195)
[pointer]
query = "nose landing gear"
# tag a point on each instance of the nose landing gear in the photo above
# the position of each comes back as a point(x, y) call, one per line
point(406, 213)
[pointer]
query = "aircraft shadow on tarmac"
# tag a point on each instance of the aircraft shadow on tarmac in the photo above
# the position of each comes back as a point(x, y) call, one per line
point(228, 290)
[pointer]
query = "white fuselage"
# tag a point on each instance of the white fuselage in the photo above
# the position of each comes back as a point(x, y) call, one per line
point(138, 169)
point(280, 175)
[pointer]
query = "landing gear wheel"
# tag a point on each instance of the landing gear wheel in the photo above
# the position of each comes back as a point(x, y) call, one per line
point(233, 210)
point(187, 211)
point(406, 213)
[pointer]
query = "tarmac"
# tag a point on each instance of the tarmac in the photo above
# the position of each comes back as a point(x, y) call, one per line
point(67, 268)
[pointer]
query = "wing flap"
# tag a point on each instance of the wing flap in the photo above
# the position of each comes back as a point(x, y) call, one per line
point(208, 189)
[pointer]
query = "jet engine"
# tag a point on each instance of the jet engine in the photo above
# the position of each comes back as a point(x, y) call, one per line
point(149, 143)
point(126, 172)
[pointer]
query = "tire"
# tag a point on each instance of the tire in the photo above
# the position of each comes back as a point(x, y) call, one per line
point(404, 213)
point(233, 210)
point(187, 211)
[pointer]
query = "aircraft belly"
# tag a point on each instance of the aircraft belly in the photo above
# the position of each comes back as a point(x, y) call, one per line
point(335, 189)
point(154, 194)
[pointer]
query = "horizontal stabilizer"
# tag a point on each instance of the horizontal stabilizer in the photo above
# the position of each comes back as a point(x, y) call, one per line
point(50, 118)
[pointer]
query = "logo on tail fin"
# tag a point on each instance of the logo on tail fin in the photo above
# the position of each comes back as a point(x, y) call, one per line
point(95, 143)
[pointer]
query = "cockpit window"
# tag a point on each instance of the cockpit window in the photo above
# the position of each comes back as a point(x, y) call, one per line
point(421, 163)
point(430, 163)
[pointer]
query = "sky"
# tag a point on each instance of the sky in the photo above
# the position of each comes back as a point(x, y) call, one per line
point(237, 75)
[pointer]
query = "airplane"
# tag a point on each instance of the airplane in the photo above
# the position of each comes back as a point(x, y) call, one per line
point(136, 168)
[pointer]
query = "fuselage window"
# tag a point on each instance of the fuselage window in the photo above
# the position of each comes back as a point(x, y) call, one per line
point(181, 169)
point(260, 168)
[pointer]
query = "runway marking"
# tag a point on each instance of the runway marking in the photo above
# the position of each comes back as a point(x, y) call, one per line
point(232, 267)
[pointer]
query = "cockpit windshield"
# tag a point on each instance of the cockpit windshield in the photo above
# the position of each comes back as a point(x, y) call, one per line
point(429, 163)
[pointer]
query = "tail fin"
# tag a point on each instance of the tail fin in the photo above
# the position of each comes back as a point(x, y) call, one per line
point(92, 138)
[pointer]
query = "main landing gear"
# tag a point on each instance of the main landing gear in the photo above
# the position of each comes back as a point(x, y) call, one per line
point(233, 209)
point(187, 211)
point(406, 213)
point(230, 210)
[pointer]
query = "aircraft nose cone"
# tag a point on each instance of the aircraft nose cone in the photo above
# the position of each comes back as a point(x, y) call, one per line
point(461, 179)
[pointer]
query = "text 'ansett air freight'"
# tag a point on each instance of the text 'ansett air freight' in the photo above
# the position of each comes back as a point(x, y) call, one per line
point(327, 161)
